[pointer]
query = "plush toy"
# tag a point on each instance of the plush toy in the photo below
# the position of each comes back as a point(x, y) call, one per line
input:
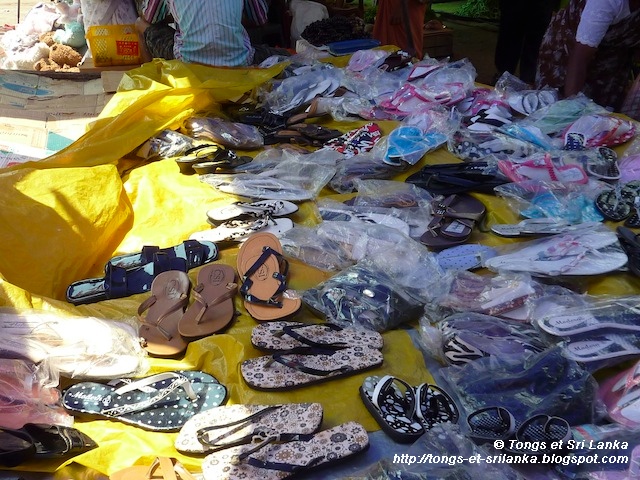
point(64, 55)
point(70, 24)
point(21, 52)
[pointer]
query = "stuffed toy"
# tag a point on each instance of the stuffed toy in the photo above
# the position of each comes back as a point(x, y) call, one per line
point(21, 52)
point(64, 55)
point(70, 24)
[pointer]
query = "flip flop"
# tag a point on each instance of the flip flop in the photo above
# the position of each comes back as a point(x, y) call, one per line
point(604, 346)
point(464, 257)
point(299, 337)
point(583, 252)
point(531, 226)
point(233, 425)
point(621, 396)
point(463, 177)
point(490, 424)
point(162, 468)
point(239, 230)
point(273, 208)
point(538, 433)
point(161, 402)
point(263, 271)
point(283, 460)
point(434, 406)
point(609, 315)
point(630, 242)
point(193, 252)
point(606, 168)
point(392, 402)
point(542, 169)
point(453, 220)
point(213, 309)
point(165, 306)
point(332, 214)
point(282, 371)
point(262, 187)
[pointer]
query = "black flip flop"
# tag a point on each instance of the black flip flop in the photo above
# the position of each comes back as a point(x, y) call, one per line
point(614, 205)
point(490, 424)
point(630, 242)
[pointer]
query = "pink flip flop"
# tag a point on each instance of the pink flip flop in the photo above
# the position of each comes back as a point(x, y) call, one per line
point(621, 395)
point(542, 169)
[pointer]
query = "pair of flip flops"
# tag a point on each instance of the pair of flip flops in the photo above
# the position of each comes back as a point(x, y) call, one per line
point(538, 435)
point(161, 402)
point(295, 455)
point(169, 325)
point(621, 203)
point(306, 354)
point(209, 158)
point(453, 220)
point(460, 177)
point(304, 134)
point(134, 273)
point(404, 412)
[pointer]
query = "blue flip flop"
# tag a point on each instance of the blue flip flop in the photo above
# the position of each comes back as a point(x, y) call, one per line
point(161, 402)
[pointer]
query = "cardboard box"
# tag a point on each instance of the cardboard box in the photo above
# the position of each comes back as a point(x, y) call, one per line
point(438, 43)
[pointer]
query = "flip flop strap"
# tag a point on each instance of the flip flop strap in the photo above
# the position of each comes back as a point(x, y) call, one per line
point(144, 306)
point(231, 289)
point(434, 405)
point(291, 330)
point(281, 276)
point(179, 381)
point(166, 467)
point(237, 424)
point(288, 362)
point(384, 384)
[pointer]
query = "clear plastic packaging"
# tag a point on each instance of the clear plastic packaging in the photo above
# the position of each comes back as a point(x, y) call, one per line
point(296, 179)
point(465, 337)
point(363, 296)
point(73, 347)
point(564, 202)
point(166, 144)
point(29, 395)
point(223, 132)
point(543, 383)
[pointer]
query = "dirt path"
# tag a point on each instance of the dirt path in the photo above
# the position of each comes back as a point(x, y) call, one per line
point(9, 10)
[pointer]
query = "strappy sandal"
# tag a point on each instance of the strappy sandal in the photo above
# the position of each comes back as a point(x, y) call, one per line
point(453, 220)
point(263, 270)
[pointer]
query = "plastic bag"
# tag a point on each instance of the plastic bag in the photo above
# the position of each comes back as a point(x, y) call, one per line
point(29, 395)
point(470, 146)
point(293, 180)
point(166, 144)
point(362, 296)
point(465, 337)
point(564, 202)
point(224, 132)
point(74, 347)
point(543, 383)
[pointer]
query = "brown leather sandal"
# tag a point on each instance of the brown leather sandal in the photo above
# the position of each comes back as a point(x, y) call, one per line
point(165, 307)
point(213, 308)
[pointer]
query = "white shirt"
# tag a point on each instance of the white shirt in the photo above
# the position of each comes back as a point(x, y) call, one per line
point(597, 17)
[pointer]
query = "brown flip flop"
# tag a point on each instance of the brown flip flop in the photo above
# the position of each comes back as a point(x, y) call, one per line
point(159, 329)
point(213, 308)
point(162, 468)
point(453, 220)
point(263, 271)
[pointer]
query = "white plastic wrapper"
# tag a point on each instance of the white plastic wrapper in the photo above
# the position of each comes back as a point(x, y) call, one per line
point(73, 347)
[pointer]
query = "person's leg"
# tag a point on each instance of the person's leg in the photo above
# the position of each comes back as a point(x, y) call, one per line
point(510, 36)
point(539, 16)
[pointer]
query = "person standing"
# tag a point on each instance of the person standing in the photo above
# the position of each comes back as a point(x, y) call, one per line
point(589, 48)
point(401, 23)
point(520, 31)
